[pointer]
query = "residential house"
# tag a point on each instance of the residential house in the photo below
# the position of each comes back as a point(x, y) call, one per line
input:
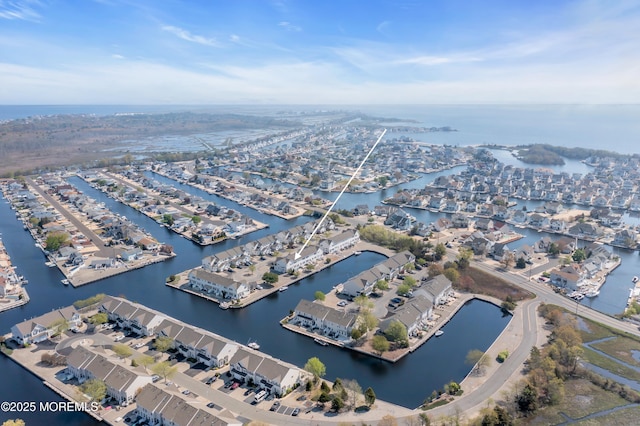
point(41, 328)
point(310, 255)
point(340, 242)
point(570, 277)
point(412, 314)
point(158, 407)
point(437, 289)
point(218, 285)
point(122, 384)
point(331, 322)
point(272, 375)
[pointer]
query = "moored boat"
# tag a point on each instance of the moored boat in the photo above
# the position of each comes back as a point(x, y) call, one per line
point(320, 342)
point(254, 345)
point(223, 305)
point(635, 279)
point(65, 281)
point(439, 333)
point(285, 288)
point(358, 253)
point(592, 293)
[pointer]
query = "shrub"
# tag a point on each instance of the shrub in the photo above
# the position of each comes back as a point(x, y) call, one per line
point(502, 356)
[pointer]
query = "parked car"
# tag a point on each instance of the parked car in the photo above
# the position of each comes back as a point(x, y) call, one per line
point(211, 379)
point(235, 385)
point(343, 303)
point(155, 378)
point(186, 392)
point(118, 337)
point(295, 412)
point(211, 405)
point(275, 406)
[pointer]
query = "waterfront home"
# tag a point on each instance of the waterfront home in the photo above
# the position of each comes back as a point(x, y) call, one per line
point(340, 242)
point(625, 238)
point(131, 254)
point(309, 256)
point(437, 289)
point(412, 314)
point(331, 322)
point(570, 276)
point(542, 245)
point(218, 285)
point(202, 345)
point(122, 384)
point(222, 261)
point(484, 224)
point(130, 315)
point(270, 374)
point(585, 230)
point(401, 220)
point(159, 407)
point(41, 328)
point(103, 263)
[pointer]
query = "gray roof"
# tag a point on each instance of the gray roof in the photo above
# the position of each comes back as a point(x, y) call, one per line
point(326, 313)
point(26, 327)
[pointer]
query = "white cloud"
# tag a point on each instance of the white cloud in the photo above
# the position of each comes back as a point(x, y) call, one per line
point(116, 56)
point(19, 9)
point(383, 26)
point(186, 35)
point(289, 26)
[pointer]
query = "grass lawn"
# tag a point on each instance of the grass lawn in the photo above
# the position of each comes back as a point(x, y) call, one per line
point(581, 399)
point(627, 416)
point(620, 348)
point(484, 283)
point(610, 365)
point(595, 331)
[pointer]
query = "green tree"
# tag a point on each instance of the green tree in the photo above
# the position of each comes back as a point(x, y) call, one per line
point(337, 404)
point(403, 289)
point(196, 219)
point(318, 295)
point(527, 400)
point(163, 343)
point(397, 332)
point(59, 326)
point(94, 389)
point(270, 277)
point(452, 274)
point(369, 396)
point(164, 369)
point(380, 344)
point(324, 398)
point(99, 318)
point(367, 320)
point(324, 387)
point(145, 361)
point(440, 251)
point(55, 240)
point(382, 285)
point(168, 219)
point(554, 249)
point(478, 359)
point(315, 367)
point(410, 281)
point(579, 255)
point(122, 351)
point(363, 302)
point(521, 263)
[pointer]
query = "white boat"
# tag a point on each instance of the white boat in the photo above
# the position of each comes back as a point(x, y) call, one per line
point(224, 305)
point(358, 253)
point(285, 288)
point(65, 281)
point(320, 342)
point(439, 333)
point(254, 345)
point(50, 264)
point(592, 293)
point(635, 279)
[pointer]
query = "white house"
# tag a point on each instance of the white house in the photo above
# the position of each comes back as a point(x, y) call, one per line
point(159, 407)
point(270, 374)
point(412, 314)
point(437, 289)
point(310, 255)
point(41, 328)
point(340, 242)
point(333, 323)
point(220, 286)
point(122, 384)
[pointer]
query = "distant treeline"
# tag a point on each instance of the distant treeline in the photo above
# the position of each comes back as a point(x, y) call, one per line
point(554, 155)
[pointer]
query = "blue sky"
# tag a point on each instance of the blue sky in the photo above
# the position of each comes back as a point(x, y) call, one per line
point(319, 52)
